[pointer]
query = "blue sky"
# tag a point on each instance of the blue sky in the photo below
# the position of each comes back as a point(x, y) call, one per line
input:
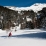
point(20, 3)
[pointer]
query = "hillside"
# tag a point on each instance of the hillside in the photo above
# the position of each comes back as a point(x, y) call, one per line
point(29, 17)
point(35, 7)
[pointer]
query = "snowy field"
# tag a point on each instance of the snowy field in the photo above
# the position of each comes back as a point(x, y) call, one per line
point(33, 37)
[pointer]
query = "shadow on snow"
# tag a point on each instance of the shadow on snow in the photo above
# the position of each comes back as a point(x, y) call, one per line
point(30, 35)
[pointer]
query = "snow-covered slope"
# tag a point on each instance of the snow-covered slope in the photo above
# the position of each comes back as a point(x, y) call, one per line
point(25, 37)
point(35, 7)
point(34, 37)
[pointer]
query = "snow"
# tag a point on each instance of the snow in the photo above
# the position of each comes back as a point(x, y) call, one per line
point(1, 31)
point(29, 19)
point(35, 7)
point(22, 42)
point(25, 37)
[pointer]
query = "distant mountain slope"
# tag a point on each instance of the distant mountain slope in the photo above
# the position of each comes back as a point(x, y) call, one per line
point(35, 7)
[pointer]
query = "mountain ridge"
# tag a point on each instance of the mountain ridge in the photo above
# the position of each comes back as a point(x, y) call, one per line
point(35, 7)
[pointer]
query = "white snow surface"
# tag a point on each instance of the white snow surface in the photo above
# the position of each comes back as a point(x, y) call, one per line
point(35, 7)
point(18, 40)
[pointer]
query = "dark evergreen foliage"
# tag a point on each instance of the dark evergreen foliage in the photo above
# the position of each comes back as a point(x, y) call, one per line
point(8, 17)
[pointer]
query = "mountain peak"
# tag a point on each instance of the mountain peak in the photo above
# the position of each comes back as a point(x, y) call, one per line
point(36, 4)
point(35, 7)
